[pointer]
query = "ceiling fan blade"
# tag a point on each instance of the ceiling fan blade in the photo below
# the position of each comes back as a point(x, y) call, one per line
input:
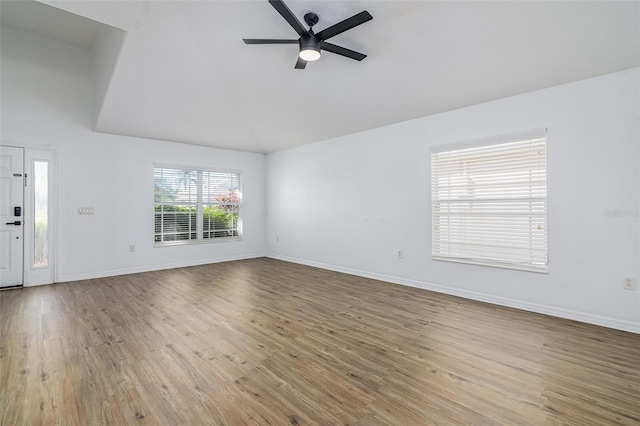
point(288, 15)
point(345, 25)
point(268, 41)
point(342, 51)
point(301, 63)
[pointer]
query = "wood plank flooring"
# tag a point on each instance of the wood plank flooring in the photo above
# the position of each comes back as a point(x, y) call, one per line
point(266, 342)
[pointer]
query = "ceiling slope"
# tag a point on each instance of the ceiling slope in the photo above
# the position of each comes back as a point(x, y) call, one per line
point(184, 74)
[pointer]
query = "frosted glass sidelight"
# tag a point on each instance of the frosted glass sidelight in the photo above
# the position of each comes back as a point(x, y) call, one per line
point(41, 213)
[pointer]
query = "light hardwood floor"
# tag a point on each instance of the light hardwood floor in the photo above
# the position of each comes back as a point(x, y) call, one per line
point(267, 342)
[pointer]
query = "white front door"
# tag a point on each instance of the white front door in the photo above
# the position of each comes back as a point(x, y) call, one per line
point(11, 216)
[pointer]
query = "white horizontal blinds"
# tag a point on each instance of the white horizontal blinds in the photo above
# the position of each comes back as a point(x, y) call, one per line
point(489, 203)
point(221, 204)
point(176, 204)
point(196, 204)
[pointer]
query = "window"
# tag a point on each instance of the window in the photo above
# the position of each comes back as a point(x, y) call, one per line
point(41, 213)
point(196, 205)
point(489, 202)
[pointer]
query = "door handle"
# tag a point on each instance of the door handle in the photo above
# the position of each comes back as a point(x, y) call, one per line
point(17, 222)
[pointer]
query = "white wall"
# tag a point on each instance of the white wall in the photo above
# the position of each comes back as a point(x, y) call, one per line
point(47, 99)
point(350, 203)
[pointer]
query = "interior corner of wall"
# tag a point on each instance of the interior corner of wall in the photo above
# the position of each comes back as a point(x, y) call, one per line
point(107, 50)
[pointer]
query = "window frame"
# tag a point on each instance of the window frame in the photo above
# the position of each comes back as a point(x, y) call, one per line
point(459, 246)
point(200, 204)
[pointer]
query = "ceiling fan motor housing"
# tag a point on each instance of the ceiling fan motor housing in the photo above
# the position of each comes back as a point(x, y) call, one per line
point(310, 42)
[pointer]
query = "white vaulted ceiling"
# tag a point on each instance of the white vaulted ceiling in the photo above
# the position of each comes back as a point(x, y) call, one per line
point(182, 73)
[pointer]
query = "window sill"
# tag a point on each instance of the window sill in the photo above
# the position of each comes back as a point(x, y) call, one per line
point(197, 242)
point(542, 269)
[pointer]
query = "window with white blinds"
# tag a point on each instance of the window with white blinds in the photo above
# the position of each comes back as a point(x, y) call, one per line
point(489, 202)
point(196, 205)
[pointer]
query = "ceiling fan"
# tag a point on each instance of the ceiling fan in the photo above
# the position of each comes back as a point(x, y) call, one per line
point(312, 44)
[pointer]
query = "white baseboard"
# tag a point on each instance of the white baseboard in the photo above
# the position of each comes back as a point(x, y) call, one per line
point(482, 297)
point(149, 268)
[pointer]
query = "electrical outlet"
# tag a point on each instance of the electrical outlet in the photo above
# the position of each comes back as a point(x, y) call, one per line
point(132, 248)
point(629, 283)
point(400, 254)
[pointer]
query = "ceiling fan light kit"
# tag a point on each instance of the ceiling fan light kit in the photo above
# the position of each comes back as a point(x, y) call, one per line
point(311, 44)
point(309, 54)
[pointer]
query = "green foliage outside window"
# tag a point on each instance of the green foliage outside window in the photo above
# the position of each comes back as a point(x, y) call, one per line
point(179, 222)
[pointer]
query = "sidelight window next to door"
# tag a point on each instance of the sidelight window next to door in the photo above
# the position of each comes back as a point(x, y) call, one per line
point(41, 213)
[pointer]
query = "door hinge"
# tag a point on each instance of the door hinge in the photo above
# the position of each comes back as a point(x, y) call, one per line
point(25, 179)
